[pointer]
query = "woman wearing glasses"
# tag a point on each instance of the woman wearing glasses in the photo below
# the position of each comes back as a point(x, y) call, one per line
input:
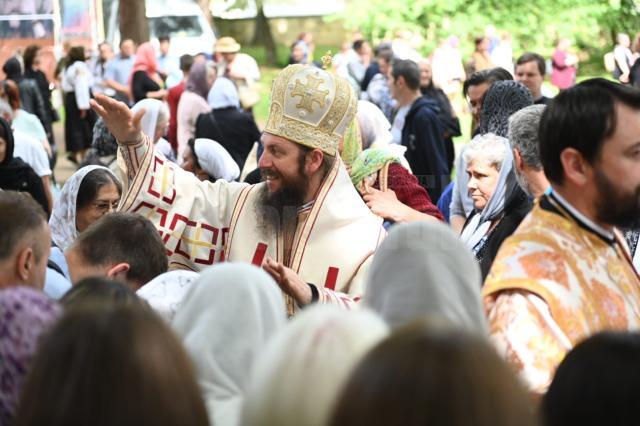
point(90, 193)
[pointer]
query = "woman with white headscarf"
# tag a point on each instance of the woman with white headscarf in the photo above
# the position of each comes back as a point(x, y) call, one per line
point(90, 193)
point(434, 276)
point(233, 128)
point(499, 203)
point(165, 293)
point(299, 376)
point(154, 124)
point(225, 321)
point(208, 160)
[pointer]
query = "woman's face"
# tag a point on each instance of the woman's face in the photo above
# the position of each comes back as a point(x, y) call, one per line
point(106, 201)
point(3, 149)
point(189, 164)
point(483, 178)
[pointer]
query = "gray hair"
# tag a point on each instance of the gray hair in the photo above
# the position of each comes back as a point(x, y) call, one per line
point(489, 147)
point(523, 134)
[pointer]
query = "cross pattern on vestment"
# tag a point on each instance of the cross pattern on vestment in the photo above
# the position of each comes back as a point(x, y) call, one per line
point(309, 93)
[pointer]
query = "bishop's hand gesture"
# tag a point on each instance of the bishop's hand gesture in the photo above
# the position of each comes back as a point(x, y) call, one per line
point(119, 119)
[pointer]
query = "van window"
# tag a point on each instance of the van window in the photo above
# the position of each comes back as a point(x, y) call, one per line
point(175, 26)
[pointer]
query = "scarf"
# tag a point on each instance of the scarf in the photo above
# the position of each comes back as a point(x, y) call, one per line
point(506, 190)
point(145, 60)
point(13, 69)
point(215, 160)
point(225, 321)
point(374, 126)
point(11, 165)
point(433, 274)
point(24, 314)
point(149, 120)
point(197, 81)
point(63, 218)
point(165, 293)
point(224, 94)
point(501, 100)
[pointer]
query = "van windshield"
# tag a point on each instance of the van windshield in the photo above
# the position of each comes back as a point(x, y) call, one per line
point(175, 26)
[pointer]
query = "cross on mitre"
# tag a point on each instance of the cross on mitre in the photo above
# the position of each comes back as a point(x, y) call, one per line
point(309, 93)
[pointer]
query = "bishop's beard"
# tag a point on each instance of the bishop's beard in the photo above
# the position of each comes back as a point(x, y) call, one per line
point(278, 211)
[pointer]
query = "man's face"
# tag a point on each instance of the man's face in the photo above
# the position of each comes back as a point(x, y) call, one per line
point(425, 74)
point(394, 87)
point(164, 47)
point(475, 95)
point(385, 66)
point(529, 75)
point(617, 172)
point(282, 165)
point(43, 248)
point(229, 57)
point(127, 48)
point(105, 52)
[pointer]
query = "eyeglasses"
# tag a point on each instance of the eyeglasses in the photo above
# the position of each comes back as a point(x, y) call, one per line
point(105, 206)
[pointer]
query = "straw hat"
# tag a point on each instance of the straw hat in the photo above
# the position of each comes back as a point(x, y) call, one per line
point(227, 45)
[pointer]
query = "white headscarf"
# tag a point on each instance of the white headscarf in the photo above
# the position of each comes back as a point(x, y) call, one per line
point(165, 293)
point(374, 126)
point(298, 378)
point(223, 94)
point(506, 188)
point(422, 270)
point(215, 160)
point(152, 108)
point(63, 217)
point(224, 322)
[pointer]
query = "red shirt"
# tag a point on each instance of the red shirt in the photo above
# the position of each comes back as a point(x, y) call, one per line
point(173, 98)
point(409, 191)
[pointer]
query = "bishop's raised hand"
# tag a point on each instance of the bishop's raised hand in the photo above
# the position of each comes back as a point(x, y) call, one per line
point(119, 119)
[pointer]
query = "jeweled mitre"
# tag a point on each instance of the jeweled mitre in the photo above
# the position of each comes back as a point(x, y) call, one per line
point(311, 107)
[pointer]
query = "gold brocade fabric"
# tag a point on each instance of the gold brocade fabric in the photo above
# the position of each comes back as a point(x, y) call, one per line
point(553, 284)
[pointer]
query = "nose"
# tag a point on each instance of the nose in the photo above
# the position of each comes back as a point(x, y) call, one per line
point(265, 160)
point(472, 184)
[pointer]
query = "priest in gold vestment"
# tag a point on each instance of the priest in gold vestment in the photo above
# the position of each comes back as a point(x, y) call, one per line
point(305, 223)
point(566, 272)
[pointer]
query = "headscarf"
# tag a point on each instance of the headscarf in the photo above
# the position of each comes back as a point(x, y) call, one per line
point(375, 129)
point(501, 100)
point(215, 160)
point(152, 108)
point(13, 69)
point(145, 60)
point(25, 314)
point(224, 94)
point(103, 141)
point(225, 321)
point(165, 293)
point(197, 81)
point(63, 217)
point(371, 160)
point(507, 188)
point(351, 144)
point(423, 270)
point(11, 165)
point(298, 378)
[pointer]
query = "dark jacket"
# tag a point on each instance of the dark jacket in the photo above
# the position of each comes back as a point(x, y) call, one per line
point(422, 134)
point(450, 123)
point(235, 130)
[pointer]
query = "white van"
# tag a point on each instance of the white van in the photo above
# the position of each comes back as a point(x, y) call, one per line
point(182, 20)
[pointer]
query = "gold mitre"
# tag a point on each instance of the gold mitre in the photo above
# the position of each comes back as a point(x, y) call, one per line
point(311, 107)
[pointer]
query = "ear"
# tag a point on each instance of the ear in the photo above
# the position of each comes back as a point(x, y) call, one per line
point(118, 271)
point(313, 161)
point(25, 263)
point(576, 169)
point(517, 159)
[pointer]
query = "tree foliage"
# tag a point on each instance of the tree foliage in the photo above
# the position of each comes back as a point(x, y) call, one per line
point(534, 25)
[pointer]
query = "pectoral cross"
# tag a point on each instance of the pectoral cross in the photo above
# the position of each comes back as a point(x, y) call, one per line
point(309, 93)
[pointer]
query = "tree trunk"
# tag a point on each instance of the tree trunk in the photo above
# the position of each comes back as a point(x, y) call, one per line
point(263, 36)
point(133, 21)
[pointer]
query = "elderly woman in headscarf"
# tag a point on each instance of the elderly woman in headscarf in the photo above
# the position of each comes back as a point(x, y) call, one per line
point(154, 124)
point(193, 101)
point(89, 194)
point(208, 160)
point(380, 172)
point(499, 203)
point(434, 276)
point(501, 100)
point(25, 314)
point(233, 128)
point(225, 321)
point(145, 80)
point(15, 174)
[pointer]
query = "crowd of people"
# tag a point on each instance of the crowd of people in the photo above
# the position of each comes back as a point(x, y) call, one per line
point(363, 273)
